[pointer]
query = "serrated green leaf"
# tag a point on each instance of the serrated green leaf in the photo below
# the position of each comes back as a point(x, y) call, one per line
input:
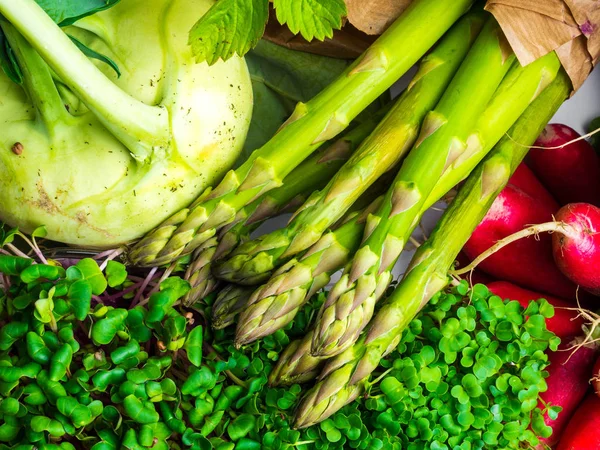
point(229, 27)
point(311, 18)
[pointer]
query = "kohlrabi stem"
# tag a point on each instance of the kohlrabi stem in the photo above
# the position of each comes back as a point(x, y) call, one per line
point(141, 128)
point(37, 79)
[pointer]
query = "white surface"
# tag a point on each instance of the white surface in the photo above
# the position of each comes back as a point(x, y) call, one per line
point(577, 112)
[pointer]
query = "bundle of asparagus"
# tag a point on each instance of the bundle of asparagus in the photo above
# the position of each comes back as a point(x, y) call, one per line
point(447, 126)
point(346, 376)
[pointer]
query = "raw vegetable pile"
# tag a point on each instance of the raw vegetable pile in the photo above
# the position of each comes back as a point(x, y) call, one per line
point(177, 322)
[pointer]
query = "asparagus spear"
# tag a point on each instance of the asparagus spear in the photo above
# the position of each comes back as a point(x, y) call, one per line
point(351, 303)
point(311, 175)
point(275, 304)
point(295, 364)
point(230, 301)
point(254, 261)
point(346, 376)
point(311, 124)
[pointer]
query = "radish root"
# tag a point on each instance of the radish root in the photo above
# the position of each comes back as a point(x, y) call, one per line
point(533, 230)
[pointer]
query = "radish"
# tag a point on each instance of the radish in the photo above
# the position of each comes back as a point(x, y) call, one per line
point(596, 377)
point(583, 430)
point(524, 179)
point(566, 323)
point(570, 172)
point(577, 245)
point(567, 383)
point(528, 262)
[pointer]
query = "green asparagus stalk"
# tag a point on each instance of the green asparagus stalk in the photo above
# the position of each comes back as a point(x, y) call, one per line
point(346, 376)
point(276, 303)
point(295, 364)
point(311, 124)
point(309, 176)
point(255, 260)
point(466, 138)
point(199, 274)
point(228, 304)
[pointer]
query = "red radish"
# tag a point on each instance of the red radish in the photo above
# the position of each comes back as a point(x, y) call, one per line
point(526, 180)
point(583, 430)
point(567, 383)
point(527, 262)
point(566, 323)
point(571, 173)
point(596, 377)
point(577, 245)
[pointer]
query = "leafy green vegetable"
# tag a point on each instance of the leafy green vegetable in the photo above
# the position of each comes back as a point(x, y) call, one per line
point(229, 27)
point(67, 12)
point(311, 18)
point(236, 26)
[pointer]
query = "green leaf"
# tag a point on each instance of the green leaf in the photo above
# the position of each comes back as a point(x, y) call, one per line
point(67, 12)
point(116, 273)
point(105, 330)
point(241, 426)
point(80, 298)
point(229, 27)
point(92, 273)
point(311, 18)
point(193, 346)
point(90, 53)
point(11, 68)
point(14, 265)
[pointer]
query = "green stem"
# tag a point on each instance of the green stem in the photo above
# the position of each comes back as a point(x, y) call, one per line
point(138, 126)
point(321, 119)
point(346, 375)
point(37, 78)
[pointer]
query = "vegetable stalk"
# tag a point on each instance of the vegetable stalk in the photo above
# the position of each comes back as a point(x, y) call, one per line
point(346, 376)
point(429, 174)
point(311, 124)
point(255, 260)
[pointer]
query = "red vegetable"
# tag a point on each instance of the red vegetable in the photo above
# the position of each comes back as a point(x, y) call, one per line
point(577, 246)
point(527, 262)
point(565, 323)
point(568, 383)
point(596, 377)
point(571, 173)
point(583, 431)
